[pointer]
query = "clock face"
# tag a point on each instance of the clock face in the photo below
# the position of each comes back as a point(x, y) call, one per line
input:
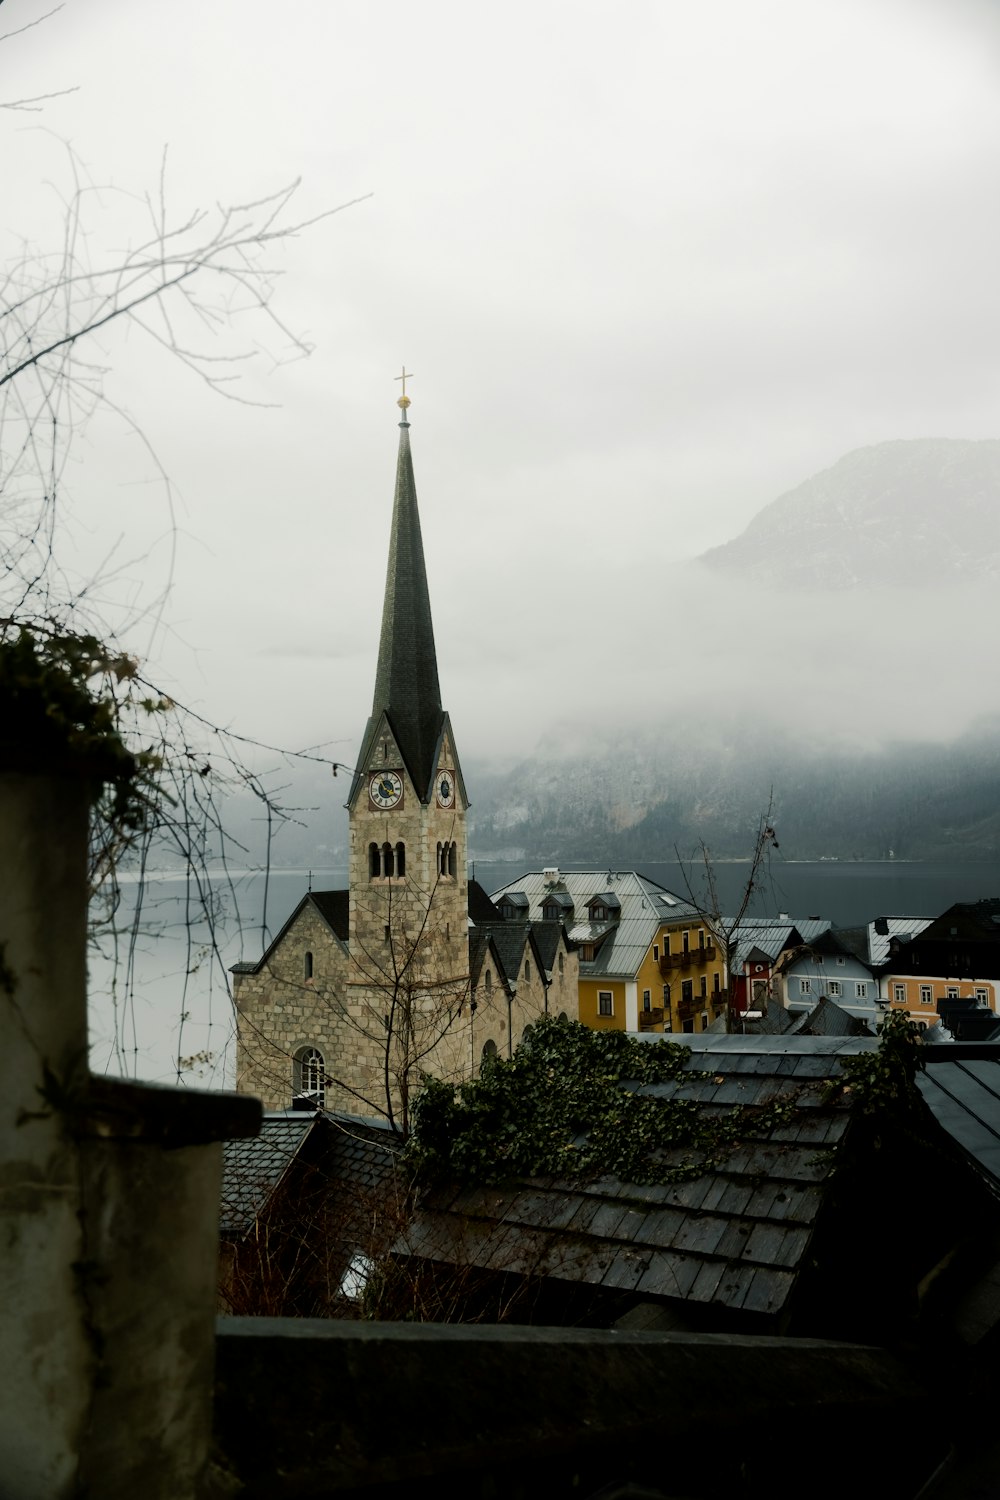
point(446, 789)
point(385, 789)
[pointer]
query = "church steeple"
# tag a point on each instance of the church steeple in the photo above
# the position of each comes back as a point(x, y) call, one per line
point(407, 690)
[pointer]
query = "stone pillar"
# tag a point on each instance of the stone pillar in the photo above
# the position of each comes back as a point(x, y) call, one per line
point(48, 1364)
point(109, 1200)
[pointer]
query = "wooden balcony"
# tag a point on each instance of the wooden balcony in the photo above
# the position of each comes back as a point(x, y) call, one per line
point(669, 961)
point(649, 1019)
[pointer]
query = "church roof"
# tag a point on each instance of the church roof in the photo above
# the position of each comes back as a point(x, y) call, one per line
point(406, 680)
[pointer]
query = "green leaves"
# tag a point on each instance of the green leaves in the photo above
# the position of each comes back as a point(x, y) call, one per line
point(886, 1079)
point(562, 1106)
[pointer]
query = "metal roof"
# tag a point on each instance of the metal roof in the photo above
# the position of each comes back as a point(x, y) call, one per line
point(772, 935)
point(895, 927)
point(645, 906)
point(960, 1085)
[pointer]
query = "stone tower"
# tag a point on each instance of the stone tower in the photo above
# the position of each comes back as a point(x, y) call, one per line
point(408, 912)
point(365, 990)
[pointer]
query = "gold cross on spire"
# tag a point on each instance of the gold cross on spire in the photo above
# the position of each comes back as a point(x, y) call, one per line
point(404, 399)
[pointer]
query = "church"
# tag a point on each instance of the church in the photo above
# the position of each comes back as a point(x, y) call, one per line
point(412, 969)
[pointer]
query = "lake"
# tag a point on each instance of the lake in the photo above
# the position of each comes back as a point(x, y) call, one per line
point(165, 994)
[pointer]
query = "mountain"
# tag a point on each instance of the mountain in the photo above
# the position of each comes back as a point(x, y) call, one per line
point(626, 805)
point(910, 511)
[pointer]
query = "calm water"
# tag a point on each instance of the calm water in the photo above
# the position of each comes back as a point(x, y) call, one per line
point(166, 996)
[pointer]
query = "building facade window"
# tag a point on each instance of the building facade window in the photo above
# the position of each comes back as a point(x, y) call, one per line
point(488, 981)
point(527, 972)
point(374, 861)
point(687, 991)
point(834, 988)
point(704, 986)
point(656, 953)
point(388, 860)
point(805, 986)
point(899, 993)
point(666, 997)
point(489, 1051)
point(926, 995)
point(951, 993)
point(647, 1000)
point(861, 989)
point(716, 983)
point(561, 963)
point(307, 965)
point(400, 859)
point(309, 1074)
point(605, 1003)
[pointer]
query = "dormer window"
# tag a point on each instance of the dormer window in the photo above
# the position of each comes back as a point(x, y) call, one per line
point(604, 907)
point(514, 906)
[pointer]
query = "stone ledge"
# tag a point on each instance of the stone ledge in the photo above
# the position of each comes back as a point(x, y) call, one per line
point(120, 1109)
point(312, 1407)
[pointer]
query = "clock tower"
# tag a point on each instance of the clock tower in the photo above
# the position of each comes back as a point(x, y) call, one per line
point(408, 905)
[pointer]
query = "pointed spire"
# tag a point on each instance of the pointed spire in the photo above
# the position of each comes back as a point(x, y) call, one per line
point(406, 681)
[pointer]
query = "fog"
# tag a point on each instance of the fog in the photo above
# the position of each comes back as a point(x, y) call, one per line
point(653, 267)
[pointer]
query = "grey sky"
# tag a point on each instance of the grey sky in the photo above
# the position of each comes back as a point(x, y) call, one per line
point(653, 265)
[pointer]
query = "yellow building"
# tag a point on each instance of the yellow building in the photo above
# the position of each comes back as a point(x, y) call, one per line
point(649, 960)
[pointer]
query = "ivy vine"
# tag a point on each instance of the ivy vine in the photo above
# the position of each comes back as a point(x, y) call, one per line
point(63, 698)
point(884, 1081)
point(562, 1106)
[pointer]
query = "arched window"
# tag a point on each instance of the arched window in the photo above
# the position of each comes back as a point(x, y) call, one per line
point(374, 862)
point(308, 965)
point(451, 859)
point(309, 1074)
point(489, 1051)
point(388, 862)
point(400, 859)
point(489, 981)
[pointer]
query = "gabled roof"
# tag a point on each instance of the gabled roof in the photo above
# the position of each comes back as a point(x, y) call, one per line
point(839, 942)
point(511, 941)
point(830, 1019)
point(737, 1236)
point(772, 935)
point(645, 906)
point(548, 936)
point(481, 908)
point(882, 930)
point(333, 908)
point(973, 921)
point(252, 1170)
point(960, 1085)
point(358, 1153)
